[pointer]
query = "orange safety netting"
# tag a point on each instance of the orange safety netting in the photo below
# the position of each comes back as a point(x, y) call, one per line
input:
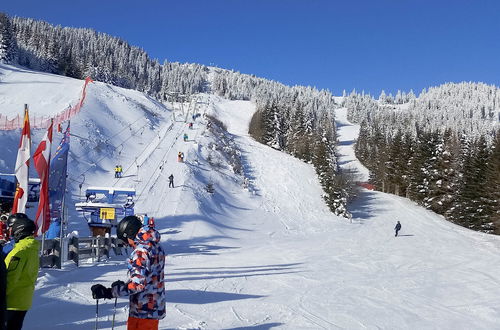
point(44, 121)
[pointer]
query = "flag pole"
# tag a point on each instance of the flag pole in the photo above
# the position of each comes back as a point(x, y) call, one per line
point(43, 244)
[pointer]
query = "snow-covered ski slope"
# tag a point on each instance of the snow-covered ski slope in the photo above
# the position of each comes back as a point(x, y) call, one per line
point(271, 256)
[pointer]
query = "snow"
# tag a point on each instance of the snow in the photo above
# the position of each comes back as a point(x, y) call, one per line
point(268, 256)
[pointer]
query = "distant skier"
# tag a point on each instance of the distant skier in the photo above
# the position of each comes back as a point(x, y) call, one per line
point(117, 170)
point(397, 228)
point(120, 171)
point(180, 157)
point(171, 181)
point(190, 125)
point(185, 137)
point(145, 284)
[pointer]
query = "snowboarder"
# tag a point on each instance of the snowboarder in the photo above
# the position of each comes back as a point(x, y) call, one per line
point(397, 228)
point(145, 284)
point(171, 181)
point(22, 265)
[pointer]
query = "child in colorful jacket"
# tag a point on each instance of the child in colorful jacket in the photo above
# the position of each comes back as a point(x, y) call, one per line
point(145, 285)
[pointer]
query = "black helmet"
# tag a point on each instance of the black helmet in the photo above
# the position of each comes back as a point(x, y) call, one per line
point(14, 217)
point(128, 227)
point(22, 227)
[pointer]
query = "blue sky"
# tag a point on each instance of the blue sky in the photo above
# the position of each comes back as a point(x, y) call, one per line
point(367, 45)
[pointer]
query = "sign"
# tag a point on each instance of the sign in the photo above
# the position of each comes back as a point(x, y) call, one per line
point(107, 213)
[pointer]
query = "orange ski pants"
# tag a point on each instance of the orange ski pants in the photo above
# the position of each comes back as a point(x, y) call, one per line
point(135, 323)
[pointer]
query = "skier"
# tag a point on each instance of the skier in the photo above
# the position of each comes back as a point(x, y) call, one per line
point(397, 228)
point(145, 219)
point(145, 285)
point(3, 229)
point(116, 171)
point(180, 157)
point(185, 137)
point(171, 181)
point(120, 171)
point(8, 245)
point(22, 265)
point(190, 125)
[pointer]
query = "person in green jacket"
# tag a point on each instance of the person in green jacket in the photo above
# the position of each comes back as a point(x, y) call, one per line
point(22, 269)
point(3, 285)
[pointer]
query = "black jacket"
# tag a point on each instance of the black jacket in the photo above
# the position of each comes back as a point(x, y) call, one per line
point(398, 227)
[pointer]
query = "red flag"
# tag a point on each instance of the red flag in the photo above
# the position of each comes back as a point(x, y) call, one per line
point(41, 157)
point(22, 167)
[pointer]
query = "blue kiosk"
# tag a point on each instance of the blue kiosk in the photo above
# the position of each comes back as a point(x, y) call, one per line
point(105, 206)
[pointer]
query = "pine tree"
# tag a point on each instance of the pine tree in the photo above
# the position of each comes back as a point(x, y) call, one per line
point(7, 42)
point(492, 191)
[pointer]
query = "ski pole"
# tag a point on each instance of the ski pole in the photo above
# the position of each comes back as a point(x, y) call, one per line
point(114, 313)
point(96, 312)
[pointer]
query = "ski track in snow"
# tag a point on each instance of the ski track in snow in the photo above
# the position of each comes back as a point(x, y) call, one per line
point(272, 256)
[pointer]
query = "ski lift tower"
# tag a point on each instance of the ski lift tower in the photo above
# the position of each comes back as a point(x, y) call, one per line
point(104, 206)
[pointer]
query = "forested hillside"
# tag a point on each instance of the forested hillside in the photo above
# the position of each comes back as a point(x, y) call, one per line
point(298, 120)
point(441, 149)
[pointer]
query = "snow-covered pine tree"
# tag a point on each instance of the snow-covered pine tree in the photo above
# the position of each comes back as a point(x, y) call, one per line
point(7, 42)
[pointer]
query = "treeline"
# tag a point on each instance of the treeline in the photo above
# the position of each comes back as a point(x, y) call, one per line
point(298, 120)
point(78, 53)
point(441, 150)
point(472, 108)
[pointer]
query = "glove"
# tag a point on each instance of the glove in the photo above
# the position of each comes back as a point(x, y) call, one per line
point(99, 291)
point(118, 289)
point(117, 283)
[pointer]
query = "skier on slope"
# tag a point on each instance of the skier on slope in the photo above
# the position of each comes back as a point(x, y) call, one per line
point(397, 228)
point(22, 269)
point(145, 285)
point(171, 181)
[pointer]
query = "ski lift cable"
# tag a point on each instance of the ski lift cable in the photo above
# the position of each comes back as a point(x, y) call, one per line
point(107, 140)
point(145, 150)
point(179, 132)
point(162, 192)
point(163, 160)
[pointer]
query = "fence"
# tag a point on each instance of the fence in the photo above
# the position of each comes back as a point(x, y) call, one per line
point(44, 121)
point(78, 248)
